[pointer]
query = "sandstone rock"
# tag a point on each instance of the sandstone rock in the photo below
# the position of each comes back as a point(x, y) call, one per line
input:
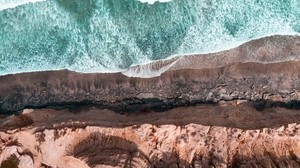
point(25, 161)
point(180, 137)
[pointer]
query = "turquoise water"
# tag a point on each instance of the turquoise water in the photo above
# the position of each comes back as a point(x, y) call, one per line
point(111, 35)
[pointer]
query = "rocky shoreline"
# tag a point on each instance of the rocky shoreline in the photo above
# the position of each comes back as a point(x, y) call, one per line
point(276, 82)
point(236, 108)
point(196, 81)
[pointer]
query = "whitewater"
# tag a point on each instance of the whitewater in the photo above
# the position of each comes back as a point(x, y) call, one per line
point(7, 4)
point(112, 35)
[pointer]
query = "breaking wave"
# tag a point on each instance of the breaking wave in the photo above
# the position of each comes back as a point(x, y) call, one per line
point(112, 35)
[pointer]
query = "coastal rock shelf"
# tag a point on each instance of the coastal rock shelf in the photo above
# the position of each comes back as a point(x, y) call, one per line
point(225, 76)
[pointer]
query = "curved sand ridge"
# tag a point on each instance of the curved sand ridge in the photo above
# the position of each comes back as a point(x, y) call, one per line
point(265, 50)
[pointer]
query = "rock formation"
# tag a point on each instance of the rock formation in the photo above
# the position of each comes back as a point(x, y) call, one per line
point(198, 136)
point(236, 108)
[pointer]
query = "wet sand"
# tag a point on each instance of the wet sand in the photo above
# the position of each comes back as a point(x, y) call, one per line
point(236, 108)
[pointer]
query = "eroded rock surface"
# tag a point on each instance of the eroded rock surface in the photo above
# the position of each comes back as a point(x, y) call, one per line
point(198, 136)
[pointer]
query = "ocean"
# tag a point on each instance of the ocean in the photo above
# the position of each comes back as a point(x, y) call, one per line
point(112, 35)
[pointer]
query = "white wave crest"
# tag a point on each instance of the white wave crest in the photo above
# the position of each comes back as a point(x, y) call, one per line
point(8, 4)
point(153, 1)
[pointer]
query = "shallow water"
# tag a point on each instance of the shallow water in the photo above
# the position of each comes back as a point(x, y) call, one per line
point(111, 35)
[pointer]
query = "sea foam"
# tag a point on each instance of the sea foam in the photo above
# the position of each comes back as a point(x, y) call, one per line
point(8, 4)
point(153, 1)
point(112, 35)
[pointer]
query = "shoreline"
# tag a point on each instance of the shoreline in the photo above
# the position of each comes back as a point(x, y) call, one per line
point(269, 49)
point(190, 80)
point(153, 68)
point(200, 112)
point(238, 81)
